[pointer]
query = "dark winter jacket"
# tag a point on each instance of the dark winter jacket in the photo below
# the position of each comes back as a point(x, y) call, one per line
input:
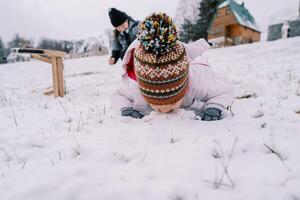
point(121, 41)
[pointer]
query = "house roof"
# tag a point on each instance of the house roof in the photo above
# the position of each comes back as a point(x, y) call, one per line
point(241, 13)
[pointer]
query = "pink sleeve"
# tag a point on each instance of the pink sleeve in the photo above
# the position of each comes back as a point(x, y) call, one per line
point(196, 48)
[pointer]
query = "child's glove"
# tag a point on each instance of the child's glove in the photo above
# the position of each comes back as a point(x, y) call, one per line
point(130, 112)
point(210, 114)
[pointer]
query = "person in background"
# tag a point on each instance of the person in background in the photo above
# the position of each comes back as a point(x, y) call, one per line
point(125, 32)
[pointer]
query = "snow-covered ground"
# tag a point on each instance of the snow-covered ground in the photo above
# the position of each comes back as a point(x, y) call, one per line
point(75, 148)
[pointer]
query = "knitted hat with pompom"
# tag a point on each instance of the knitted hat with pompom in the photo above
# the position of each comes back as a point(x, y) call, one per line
point(160, 61)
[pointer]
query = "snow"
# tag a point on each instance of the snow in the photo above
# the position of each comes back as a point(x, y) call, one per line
point(224, 4)
point(76, 148)
point(216, 41)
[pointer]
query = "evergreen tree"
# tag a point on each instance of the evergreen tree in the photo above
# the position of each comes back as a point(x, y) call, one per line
point(2, 52)
point(59, 45)
point(207, 11)
point(186, 31)
point(18, 41)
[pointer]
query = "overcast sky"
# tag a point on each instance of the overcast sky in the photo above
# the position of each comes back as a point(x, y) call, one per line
point(75, 19)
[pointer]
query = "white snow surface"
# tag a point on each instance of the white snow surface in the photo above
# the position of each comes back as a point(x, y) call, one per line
point(75, 148)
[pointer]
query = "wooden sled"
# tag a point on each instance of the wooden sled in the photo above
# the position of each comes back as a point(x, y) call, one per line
point(55, 58)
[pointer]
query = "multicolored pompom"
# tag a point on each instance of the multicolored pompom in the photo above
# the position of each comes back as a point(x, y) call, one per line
point(157, 33)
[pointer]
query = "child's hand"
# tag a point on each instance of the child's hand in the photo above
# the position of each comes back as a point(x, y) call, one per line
point(111, 60)
point(130, 112)
point(210, 114)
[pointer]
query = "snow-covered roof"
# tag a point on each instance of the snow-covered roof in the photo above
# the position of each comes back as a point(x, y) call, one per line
point(241, 13)
point(224, 4)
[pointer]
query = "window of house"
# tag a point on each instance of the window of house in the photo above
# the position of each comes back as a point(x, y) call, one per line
point(218, 14)
point(228, 11)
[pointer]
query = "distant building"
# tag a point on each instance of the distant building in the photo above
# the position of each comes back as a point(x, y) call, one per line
point(286, 29)
point(232, 25)
point(15, 57)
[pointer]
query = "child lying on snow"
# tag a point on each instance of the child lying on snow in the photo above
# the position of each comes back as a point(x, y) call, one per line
point(164, 74)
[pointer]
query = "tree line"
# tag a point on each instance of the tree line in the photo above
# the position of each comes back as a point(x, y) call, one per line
point(44, 43)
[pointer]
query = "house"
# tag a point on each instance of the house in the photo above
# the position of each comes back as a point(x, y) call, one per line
point(286, 29)
point(232, 25)
point(15, 57)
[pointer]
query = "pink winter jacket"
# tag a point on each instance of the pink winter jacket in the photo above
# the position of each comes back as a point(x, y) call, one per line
point(204, 84)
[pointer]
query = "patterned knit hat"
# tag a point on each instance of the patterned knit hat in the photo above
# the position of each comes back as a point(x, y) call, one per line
point(160, 61)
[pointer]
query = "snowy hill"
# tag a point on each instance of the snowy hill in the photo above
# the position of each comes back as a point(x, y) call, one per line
point(76, 148)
